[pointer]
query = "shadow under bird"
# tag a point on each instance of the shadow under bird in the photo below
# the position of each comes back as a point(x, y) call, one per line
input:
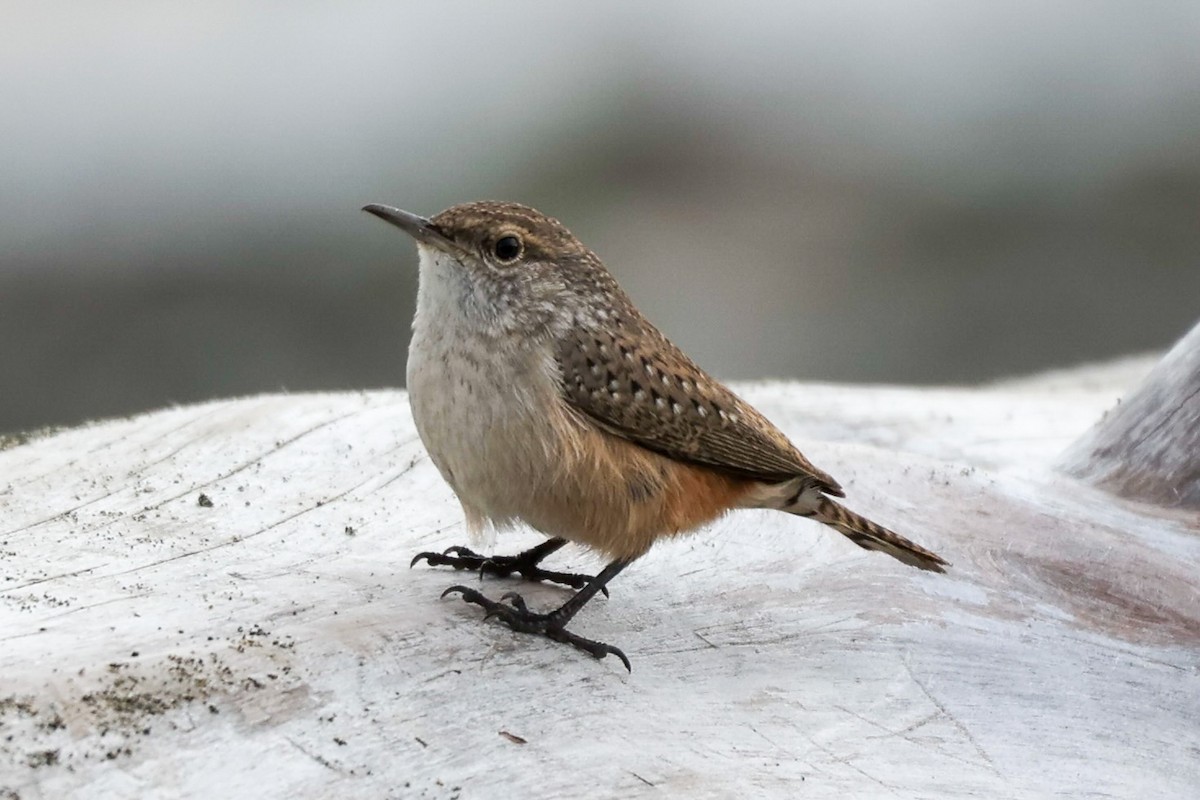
point(545, 397)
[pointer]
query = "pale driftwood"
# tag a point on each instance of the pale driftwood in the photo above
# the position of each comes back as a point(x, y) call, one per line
point(275, 643)
point(1149, 446)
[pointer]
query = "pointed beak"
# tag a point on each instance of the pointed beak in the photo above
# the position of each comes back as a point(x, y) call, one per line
point(419, 228)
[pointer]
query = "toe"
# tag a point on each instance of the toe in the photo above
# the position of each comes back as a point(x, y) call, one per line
point(426, 555)
point(517, 601)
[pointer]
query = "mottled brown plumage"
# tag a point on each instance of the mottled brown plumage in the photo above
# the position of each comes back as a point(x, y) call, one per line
point(544, 396)
point(635, 383)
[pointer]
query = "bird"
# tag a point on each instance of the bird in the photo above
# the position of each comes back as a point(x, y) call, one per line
point(545, 397)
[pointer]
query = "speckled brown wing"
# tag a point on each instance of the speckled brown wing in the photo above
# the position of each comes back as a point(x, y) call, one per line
point(637, 384)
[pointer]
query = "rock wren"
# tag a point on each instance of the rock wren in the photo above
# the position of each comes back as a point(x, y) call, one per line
point(545, 397)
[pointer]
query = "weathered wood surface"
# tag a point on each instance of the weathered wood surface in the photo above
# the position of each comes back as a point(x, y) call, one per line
point(1148, 447)
point(276, 644)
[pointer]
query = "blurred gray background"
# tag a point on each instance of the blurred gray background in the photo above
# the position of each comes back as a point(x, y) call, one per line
point(850, 191)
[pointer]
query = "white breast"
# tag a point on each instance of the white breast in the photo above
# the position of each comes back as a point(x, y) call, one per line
point(478, 397)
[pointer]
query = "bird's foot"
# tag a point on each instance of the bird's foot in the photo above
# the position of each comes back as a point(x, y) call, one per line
point(526, 564)
point(517, 616)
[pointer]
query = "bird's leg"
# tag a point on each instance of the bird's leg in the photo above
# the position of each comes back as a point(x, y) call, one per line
point(525, 563)
point(517, 616)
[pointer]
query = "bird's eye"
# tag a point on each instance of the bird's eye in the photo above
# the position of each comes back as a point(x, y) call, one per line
point(507, 248)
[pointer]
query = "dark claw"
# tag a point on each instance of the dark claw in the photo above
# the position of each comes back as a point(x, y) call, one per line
point(591, 646)
point(460, 557)
point(465, 591)
point(571, 579)
point(518, 602)
point(519, 618)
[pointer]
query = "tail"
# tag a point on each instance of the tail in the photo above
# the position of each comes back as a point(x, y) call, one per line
point(868, 535)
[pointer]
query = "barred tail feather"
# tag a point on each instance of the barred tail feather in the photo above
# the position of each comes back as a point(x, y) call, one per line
point(867, 534)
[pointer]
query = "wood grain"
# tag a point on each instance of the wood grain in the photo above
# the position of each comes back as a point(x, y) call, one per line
point(276, 644)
